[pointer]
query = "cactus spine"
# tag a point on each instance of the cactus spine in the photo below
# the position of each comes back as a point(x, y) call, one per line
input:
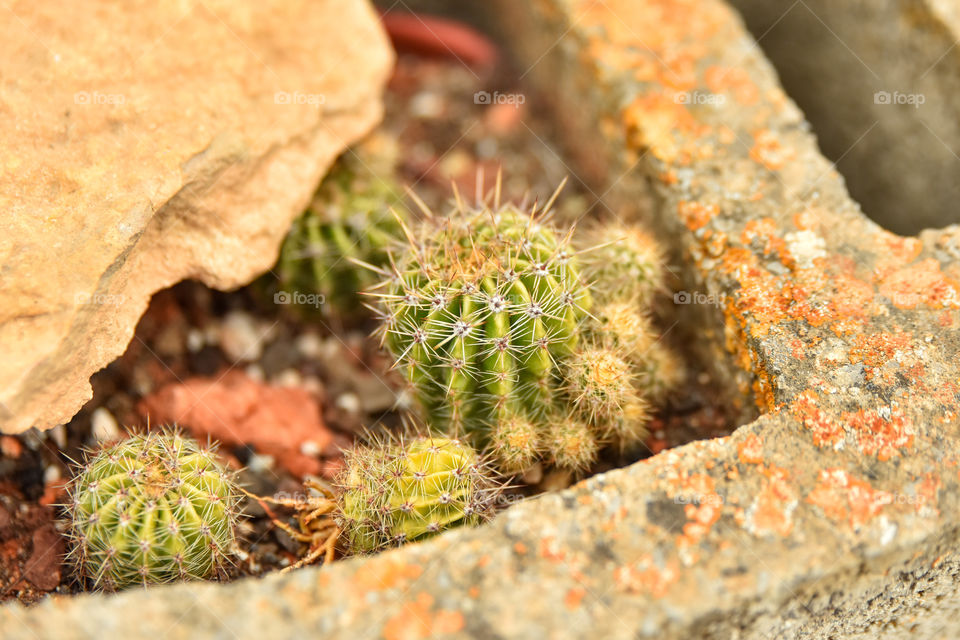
point(151, 509)
point(395, 492)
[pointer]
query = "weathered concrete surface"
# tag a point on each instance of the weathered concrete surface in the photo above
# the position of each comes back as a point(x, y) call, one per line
point(832, 515)
point(879, 80)
point(142, 143)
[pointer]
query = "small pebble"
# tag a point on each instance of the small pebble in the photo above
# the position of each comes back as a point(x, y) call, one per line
point(313, 385)
point(103, 426)
point(254, 372)
point(309, 345)
point(288, 378)
point(258, 463)
point(426, 104)
point(310, 448)
point(10, 447)
point(51, 474)
point(349, 402)
point(59, 435)
point(239, 338)
point(195, 340)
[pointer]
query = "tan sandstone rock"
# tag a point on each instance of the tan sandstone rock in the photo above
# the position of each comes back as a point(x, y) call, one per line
point(142, 143)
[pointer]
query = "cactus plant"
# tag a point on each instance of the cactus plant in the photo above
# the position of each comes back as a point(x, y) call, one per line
point(396, 491)
point(624, 263)
point(349, 219)
point(151, 509)
point(478, 312)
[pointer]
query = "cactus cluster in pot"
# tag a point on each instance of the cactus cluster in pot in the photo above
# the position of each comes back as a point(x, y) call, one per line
point(527, 340)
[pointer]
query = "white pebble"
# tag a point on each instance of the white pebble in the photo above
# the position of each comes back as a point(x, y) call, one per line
point(240, 339)
point(195, 340)
point(51, 474)
point(259, 463)
point(309, 345)
point(254, 372)
point(103, 426)
point(59, 435)
point(426, 104)
point(310, 448)
point(288, 378)
point(349, 402)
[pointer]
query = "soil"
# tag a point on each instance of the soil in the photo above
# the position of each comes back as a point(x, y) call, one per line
point(448, 133)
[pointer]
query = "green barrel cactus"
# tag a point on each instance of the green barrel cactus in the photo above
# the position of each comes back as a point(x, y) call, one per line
point(396, 492)
point(623, 263)
point(151, 509)
point(479, 312)
point(351, 218)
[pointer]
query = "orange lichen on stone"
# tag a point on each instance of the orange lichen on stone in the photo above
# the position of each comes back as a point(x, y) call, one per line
point(550, 550)
point(826, 431)
point(520, 548)
point(769, 151)
point(574, 597)
point(896, 250)
point(806, 220)
point(696, 215)
point(632, 31)
point(876, 349)
point(644, 576)
point(417, 621)
point(659, 122)
point(928, 493)
point(852, 297)
point(703, 506)
point(750, 451)
point(388, 573)
point(772, 510)
point(920, 284)
point(767, 232)
point(845, 498)
point(732, 80)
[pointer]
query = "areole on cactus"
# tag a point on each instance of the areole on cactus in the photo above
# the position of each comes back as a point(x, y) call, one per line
point(151, 509)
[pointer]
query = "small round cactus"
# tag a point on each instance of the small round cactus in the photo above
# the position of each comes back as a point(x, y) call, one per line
point(624, 263)
point(395, 492)
point(151, 509)
point(350, 219)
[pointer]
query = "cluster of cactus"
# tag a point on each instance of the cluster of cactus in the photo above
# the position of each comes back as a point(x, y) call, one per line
point(522, 339)
point(349, 219)
point(152, 509)
point(404, 491)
